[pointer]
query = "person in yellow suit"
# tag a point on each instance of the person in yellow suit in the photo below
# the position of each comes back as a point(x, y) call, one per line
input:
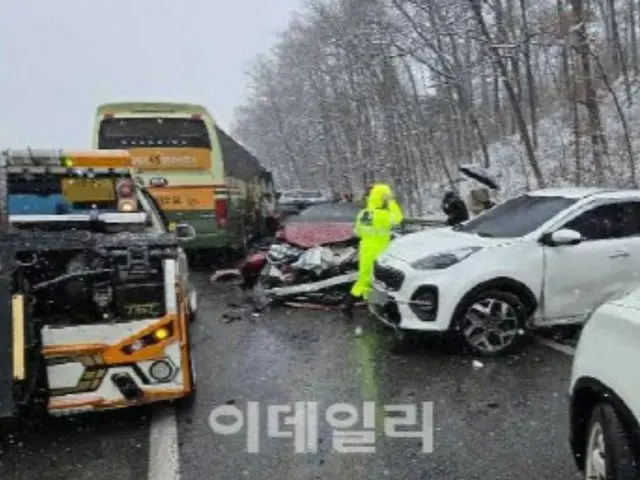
point(373, 226)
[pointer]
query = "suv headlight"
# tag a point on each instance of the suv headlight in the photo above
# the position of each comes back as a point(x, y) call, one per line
point(440, 261)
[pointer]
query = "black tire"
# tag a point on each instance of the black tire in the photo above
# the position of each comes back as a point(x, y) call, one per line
point(520, 314)
point(619, 456)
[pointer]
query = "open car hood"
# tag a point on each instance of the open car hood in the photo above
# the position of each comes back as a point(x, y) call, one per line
point(307, 235)
point(480, 174)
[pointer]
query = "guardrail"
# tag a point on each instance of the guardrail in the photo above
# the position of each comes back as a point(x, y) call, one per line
point(436, 221)
point(415, 224)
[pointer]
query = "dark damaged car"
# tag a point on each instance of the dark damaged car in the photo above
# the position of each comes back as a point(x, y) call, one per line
point(315, 255)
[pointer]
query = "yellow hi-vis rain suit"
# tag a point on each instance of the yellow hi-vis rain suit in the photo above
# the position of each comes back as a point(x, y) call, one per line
point(373, 227)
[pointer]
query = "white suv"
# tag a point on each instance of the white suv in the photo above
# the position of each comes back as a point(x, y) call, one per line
point(544, 258)
point(605, 392)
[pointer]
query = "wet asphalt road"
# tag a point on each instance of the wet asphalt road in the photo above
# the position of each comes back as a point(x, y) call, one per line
point(504, 420)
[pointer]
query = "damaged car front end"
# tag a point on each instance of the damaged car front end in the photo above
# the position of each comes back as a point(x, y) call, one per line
point(313, 260)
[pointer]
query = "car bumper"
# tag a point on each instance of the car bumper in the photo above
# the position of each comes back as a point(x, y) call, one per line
point(425, 301)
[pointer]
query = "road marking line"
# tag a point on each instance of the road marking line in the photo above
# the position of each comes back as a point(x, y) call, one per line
point(164, 457)
point(559, 347)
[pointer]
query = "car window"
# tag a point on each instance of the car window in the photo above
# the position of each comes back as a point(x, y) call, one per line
point(517, 217)
point(45, 195)
point(616, 220)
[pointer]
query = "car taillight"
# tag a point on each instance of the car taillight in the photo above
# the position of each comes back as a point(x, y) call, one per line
point(125, 191)
point(222, 212)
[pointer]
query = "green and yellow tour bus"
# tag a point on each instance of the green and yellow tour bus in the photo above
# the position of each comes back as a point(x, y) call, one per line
point(195, 170)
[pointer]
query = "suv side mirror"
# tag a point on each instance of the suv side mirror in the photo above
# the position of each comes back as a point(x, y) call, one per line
point(564, 236)
point(184, 231)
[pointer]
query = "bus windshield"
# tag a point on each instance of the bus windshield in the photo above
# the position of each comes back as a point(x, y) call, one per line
point(125, 133)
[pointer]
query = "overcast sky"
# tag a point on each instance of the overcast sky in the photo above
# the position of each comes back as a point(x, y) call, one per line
point(60, 58)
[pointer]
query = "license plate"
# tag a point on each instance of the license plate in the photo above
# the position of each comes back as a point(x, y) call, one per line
point(172, 226)
point(78, 190)
point(176, 198)
point(378, 294)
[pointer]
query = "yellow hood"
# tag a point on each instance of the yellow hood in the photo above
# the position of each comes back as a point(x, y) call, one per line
point(379, 194)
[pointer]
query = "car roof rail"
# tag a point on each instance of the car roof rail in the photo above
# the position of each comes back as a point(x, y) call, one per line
point(605, 191)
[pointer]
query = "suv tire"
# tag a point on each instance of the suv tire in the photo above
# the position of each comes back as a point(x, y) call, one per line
point(491, 322)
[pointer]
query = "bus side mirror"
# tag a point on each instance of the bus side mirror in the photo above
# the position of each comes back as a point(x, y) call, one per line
point(184, 231)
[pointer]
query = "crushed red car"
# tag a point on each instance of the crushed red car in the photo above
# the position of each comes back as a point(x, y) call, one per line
point(315, 250)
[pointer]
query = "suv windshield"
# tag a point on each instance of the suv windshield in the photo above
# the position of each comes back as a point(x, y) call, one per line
point(517, 217)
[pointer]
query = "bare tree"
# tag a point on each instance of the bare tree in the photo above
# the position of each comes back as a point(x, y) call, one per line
point(405, 91)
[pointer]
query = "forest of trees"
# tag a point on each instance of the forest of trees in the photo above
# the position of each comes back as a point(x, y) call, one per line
point(407, 90)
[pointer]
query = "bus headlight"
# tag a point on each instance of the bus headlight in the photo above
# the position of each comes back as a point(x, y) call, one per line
point(126, 206)
point(161, 371)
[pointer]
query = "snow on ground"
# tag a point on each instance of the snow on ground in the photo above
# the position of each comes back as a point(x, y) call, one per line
point(556, 153)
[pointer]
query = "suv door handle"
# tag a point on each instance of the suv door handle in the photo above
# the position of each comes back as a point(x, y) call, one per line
point(620, 254)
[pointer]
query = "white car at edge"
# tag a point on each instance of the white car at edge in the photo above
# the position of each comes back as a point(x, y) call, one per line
point(605, 392)
point(544, 258)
